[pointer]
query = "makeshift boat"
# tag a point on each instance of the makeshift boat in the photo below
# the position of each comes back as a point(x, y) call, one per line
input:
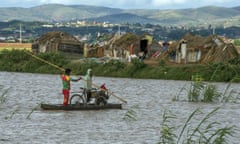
point(80, 106)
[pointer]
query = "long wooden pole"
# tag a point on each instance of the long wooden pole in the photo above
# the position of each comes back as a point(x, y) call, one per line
point(47, 62)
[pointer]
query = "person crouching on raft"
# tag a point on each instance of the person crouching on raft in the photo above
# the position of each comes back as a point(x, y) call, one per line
point(66, 85)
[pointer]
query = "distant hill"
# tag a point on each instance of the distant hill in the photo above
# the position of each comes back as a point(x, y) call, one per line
point(237, 8)
point(58, 13)
point(55, 12)
point(125, 18)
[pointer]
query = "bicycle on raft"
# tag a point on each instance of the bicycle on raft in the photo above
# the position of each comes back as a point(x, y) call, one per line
point(99, 96)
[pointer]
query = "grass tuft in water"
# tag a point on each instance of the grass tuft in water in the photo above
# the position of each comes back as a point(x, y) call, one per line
point(167, 131)
point(176, 98)
point(210, 93)
point(207, 92)
point(10, 116)
point(35, 108)
point(202, 132)
point(202, 92)
point(194, 93)
point(3, 95)
point(131, 114)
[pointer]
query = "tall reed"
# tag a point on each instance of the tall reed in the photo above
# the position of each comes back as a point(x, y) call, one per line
point(167, 131)
point(131, 114)
point(10, 116)
point(33, 109)
point(203, 132)
point(194, 93)
point(3, 95)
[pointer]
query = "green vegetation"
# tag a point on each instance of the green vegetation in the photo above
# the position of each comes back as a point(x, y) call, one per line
point(201, 92)
point(194, 92)
point(10, 116)
point(192, 131)
point(3, 99)
point(20, 61)
point(237, 42)
point(131, 114)
point(29, 115)
point(167, 135)
point(3, 95)
point(49, 12)
point(210, 93)
point(203, 131)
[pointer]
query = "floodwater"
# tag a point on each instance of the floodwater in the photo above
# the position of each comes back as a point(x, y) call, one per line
point(22, 121)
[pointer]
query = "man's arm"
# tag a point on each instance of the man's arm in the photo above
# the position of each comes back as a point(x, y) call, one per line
point(75, 80)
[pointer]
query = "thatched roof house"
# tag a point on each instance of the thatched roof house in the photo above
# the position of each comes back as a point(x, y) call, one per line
point(57, 41)
point(130, 44)
point(197, 49)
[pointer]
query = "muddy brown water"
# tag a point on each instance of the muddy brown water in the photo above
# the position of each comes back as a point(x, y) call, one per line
point(19, 124)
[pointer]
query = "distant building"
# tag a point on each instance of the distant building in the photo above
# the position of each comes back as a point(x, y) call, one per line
point(197, 49)
point(57, 41)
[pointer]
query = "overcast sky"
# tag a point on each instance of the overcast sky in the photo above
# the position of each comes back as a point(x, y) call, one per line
point(126, 4)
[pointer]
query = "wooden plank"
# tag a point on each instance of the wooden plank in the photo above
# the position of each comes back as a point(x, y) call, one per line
point(80, 107)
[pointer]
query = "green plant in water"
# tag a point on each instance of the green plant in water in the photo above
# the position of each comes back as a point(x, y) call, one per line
point(167, 131)
point(204, 132)
point(221, 135)
point(210, 93)
point(12, 114)
point(204, 93)
point(35, 108)
point(230, 97)
point(176, 98)
point(3, 96)
point(228, 94)
point(195, 91)
point(131, 114)
point(207, 132)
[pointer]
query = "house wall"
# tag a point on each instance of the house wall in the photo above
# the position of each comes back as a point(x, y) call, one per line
point(193, 56)
point(183, 51)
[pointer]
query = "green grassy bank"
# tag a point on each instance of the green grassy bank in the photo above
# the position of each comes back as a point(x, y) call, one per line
point(20, 61)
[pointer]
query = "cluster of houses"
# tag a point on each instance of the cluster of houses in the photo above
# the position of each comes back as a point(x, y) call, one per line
point(197, 49)
point(190, 49)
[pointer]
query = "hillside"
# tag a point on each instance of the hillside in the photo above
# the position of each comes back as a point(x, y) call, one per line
point(125, 18)
point(58, 13)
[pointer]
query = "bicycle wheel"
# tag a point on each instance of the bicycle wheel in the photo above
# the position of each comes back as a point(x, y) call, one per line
point(77, 99)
